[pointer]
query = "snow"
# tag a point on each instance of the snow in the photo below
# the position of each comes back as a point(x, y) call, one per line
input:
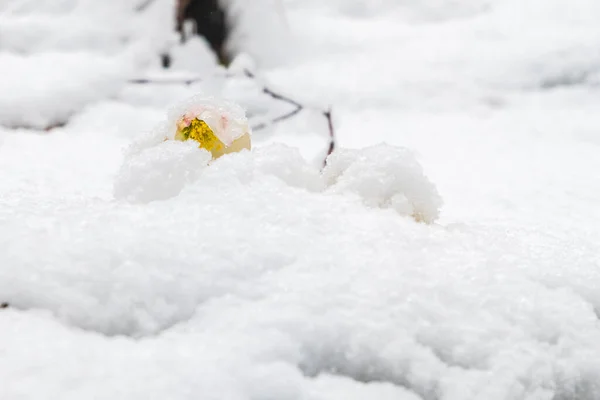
point(261, 29)
point(137, 269)
point(32, 83)
point(384, 177)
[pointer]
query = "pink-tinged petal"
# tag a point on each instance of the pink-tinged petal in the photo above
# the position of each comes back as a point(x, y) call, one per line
point(187, 120)
point(194, 112)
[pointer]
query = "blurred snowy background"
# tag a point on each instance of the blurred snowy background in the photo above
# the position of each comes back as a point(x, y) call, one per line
point(140, 273)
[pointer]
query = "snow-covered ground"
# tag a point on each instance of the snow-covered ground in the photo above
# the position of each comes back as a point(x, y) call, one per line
point(135, 271)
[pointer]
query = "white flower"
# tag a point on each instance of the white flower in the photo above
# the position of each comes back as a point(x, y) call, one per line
point(226, 120)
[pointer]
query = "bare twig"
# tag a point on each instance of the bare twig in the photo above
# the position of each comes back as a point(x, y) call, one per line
point(56, 125)
point(275, 120)
point(144, 5)
point(274, 95)
point(298, 107)
point(331, 148)
point(144, 81)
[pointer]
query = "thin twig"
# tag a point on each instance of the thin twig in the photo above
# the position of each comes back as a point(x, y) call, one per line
point(286, 116)
point(143, 81)
point(142, 6)
point(56, 125)
point(271, 93)
point(275, 120)
point(331, 148)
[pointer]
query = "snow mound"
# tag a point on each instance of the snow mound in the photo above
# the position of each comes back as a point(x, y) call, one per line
point(59, 56)
point(270, 291)
point(384, 176)
point(160, 172)
point(34, 93)
point(163, 171)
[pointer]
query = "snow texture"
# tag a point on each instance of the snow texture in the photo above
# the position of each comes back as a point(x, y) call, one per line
point(135, 268)
point(384, 177)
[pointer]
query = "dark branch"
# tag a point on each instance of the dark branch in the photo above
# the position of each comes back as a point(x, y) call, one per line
point(331, 148)
point(3, 305)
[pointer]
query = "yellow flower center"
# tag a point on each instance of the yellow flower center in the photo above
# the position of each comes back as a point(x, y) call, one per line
point(200, 132)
